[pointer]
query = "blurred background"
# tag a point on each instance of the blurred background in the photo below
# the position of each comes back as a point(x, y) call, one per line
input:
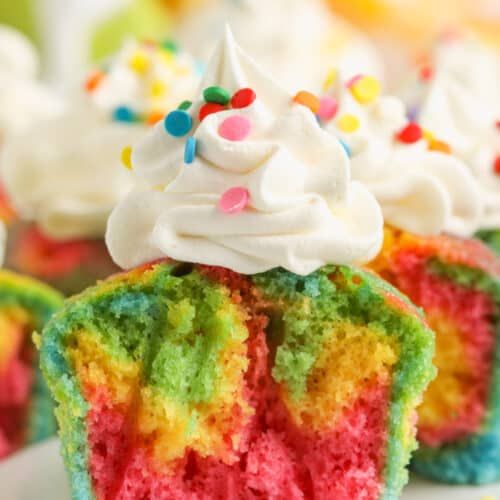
point(72, 34)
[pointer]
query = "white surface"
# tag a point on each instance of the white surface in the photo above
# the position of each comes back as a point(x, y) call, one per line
point(38, 474)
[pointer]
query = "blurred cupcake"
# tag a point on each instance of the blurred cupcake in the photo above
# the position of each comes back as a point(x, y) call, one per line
point(456, 97)
point(432, 205)
point(294, 39)
point(23, 101)
point(263, 363)
point(67, 181)
point(25, 405)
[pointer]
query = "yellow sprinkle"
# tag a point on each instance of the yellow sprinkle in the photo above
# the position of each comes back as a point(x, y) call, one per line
point(127, 157)
point(488, 497)
point(428, 136)
point(158, 88)
point(348, 123)
point(167, 57)
point(330, 79)
point(139, 63)
point(366, 89)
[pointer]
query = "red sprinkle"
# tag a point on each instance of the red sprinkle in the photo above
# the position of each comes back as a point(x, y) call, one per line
point(210, 108)
point(243, 98)
point(353, 81)
point(497, 124)
point(426, 73)
point(410, 134)
point(496, 165)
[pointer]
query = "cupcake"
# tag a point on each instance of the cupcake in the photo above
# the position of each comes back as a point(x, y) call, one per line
point(65, 184)
point(463, 108)
point(261, 362)
point(26, 414)
point(295, 39)
point(23, 101)
point(431, 203)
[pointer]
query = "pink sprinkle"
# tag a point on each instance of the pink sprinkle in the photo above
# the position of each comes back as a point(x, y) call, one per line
point(234, 200)
point(235, 128)
point(353, 80)
point(328, 107)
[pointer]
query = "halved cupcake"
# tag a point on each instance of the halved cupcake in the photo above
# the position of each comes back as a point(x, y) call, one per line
point(431, 203)
point(66, 183)
point(289, 372)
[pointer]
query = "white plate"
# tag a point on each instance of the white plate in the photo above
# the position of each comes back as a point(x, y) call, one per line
point(38, 474)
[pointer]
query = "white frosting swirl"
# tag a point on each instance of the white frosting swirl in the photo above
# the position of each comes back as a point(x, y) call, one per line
point(23, 101)
point(461, 104)
point(66, 174)
point(147, 77)
point(295, 40)
point(303, 211)
point(420, 191)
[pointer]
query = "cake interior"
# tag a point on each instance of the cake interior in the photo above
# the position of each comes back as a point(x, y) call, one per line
point(196, 381)
point(16, 377)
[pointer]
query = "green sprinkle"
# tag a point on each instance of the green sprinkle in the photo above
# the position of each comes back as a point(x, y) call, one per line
point(217, 94)
point(170, 45)
point(185, 105)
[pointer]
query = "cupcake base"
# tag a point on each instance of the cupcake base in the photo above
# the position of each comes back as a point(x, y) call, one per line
point(177, 381)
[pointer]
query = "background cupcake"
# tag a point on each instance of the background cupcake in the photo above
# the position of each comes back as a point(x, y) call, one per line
point(432, 203)
point(276, 375)
point(69, 179)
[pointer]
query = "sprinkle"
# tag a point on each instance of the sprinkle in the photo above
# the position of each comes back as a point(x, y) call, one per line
point(210, 108)
point(170, 45)
point(94, 80)
point(124, 114)
point(440, 146)
point(330, 79)
point(167, 57)
point(497, 124)
point(428, 135)
point(353, 81)
point(154, 117)
point(235, 128)
point(190, 150)
point(216, 95)
point(410, 134)
point(346, 148)
point(348, 123)
point(158, 88)
point(185, 105)
point(426, 73)
point(366, 89)
point(178, 123)
point(307, 99)
point(412, 113)
point(234, 200)
point(328, 107)
point(243, 98)
point(139, 63)
point(496, 165)
point(127, 157)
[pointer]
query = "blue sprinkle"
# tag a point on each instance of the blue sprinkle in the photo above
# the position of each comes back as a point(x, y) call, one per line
point(190, 150)
point(178, 123)
point(124, 114)
point(346, 147)
point(412, 113)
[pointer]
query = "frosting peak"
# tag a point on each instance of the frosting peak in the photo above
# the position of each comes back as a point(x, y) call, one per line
point(420, 188)
point(266, 187)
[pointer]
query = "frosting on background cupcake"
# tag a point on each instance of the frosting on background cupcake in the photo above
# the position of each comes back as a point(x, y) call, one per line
point(420, 188)
point(295, 40)
point(23, 100)
point(70, 177)
point(256, 185)
point(460, 102)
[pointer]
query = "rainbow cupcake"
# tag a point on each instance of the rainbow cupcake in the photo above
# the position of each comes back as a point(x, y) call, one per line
point(287, 373)
point(426, 193)
point(25, 405)
point(463, 108)
point(66, 183)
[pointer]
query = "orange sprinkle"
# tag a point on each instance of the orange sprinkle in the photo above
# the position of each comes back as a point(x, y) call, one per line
point(154, 117)
point(441, 146)
point(94, 80)
point(307, 99)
